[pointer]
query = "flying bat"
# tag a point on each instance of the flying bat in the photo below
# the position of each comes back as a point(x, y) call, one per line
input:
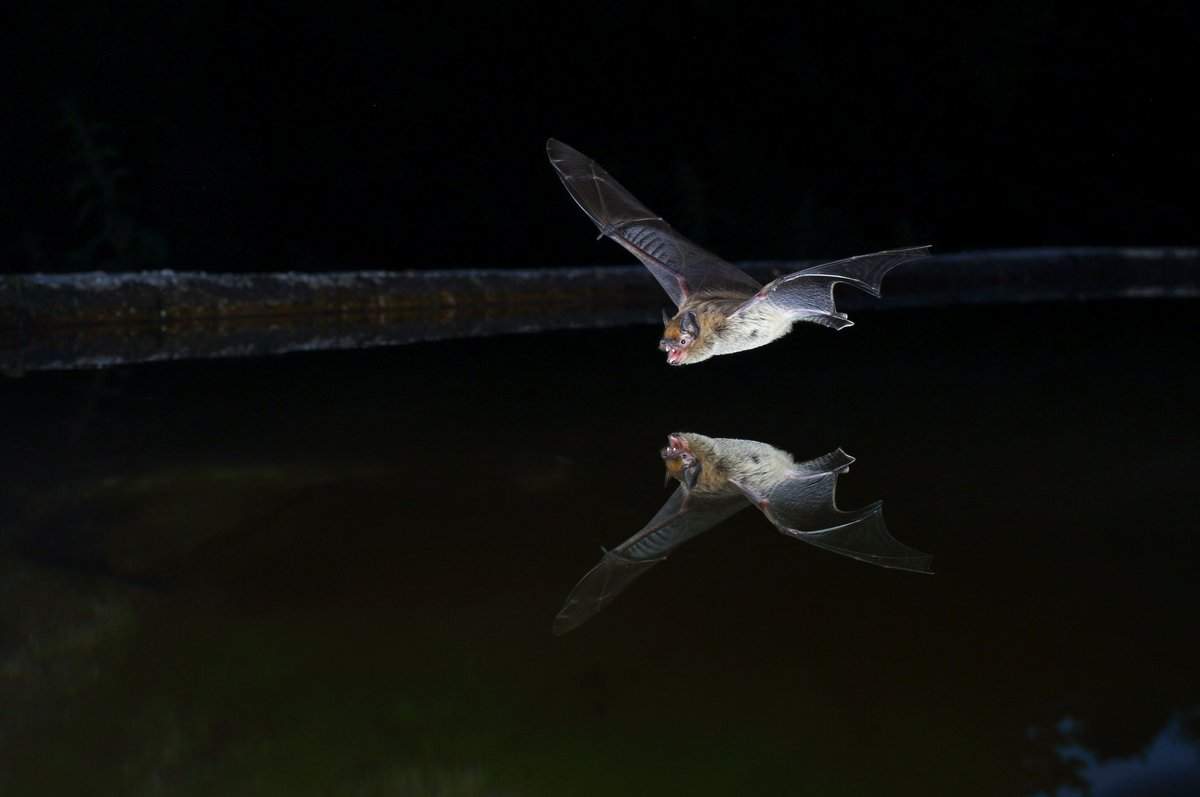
point(720, 308)
point(719, 477)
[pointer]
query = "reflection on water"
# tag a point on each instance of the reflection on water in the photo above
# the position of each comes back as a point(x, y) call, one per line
point(332, 573)
point(719, 477)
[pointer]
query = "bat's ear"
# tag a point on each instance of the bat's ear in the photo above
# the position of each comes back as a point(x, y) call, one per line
point(691, 474)
point(689, 324)
point(666, 318)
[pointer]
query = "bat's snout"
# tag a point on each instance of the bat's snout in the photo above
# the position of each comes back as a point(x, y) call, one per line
point(675, 352)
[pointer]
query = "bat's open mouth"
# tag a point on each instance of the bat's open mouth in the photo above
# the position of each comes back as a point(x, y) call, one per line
point(674, 356)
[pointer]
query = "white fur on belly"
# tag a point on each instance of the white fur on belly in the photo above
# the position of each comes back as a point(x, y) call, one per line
point(753, 327)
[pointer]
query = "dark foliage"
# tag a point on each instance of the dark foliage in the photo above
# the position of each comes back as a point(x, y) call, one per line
point(285, 135)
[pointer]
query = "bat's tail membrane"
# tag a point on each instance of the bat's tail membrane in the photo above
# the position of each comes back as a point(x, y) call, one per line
point(836, 461)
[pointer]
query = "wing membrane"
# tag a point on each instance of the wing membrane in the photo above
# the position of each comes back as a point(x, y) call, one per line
point(681, 518)
point(808, 294)
point(680, 266)
point(863, 536)
point(803, 506)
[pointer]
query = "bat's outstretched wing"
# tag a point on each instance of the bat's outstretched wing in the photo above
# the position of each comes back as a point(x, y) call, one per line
point(864, 536)
point(803, 506)
point(808, 295)
point(681, 518)
point(680, 266)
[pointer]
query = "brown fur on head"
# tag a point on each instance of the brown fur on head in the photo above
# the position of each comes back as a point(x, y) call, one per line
point(689, 460)
point(680, 336)
point(682, 463)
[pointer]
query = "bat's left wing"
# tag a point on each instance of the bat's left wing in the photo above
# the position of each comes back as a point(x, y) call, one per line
point(803, 506)
point(681, 518)
point(808, 295)
point(680, 266)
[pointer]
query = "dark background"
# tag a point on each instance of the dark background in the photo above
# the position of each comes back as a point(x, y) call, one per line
point(239, 136)
point(1020, 448)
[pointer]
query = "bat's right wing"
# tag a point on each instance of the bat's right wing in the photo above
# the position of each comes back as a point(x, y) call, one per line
point(681, 518)
point(803, 506)
point(862, 535)
point(680, 266)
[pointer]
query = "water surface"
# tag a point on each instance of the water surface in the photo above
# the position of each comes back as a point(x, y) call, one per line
point(336, 572)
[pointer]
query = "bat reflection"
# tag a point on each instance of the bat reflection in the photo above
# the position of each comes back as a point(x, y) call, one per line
point(719, 477)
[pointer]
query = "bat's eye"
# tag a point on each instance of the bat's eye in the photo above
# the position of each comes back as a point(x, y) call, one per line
point(684, 340)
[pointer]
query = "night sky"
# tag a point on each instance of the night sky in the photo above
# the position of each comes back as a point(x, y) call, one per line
point(256, 136)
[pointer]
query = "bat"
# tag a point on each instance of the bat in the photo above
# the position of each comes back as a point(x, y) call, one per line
point(719, 477)
point(720, 308)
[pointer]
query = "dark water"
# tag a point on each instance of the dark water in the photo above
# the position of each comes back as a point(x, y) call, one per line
point(336, 573)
